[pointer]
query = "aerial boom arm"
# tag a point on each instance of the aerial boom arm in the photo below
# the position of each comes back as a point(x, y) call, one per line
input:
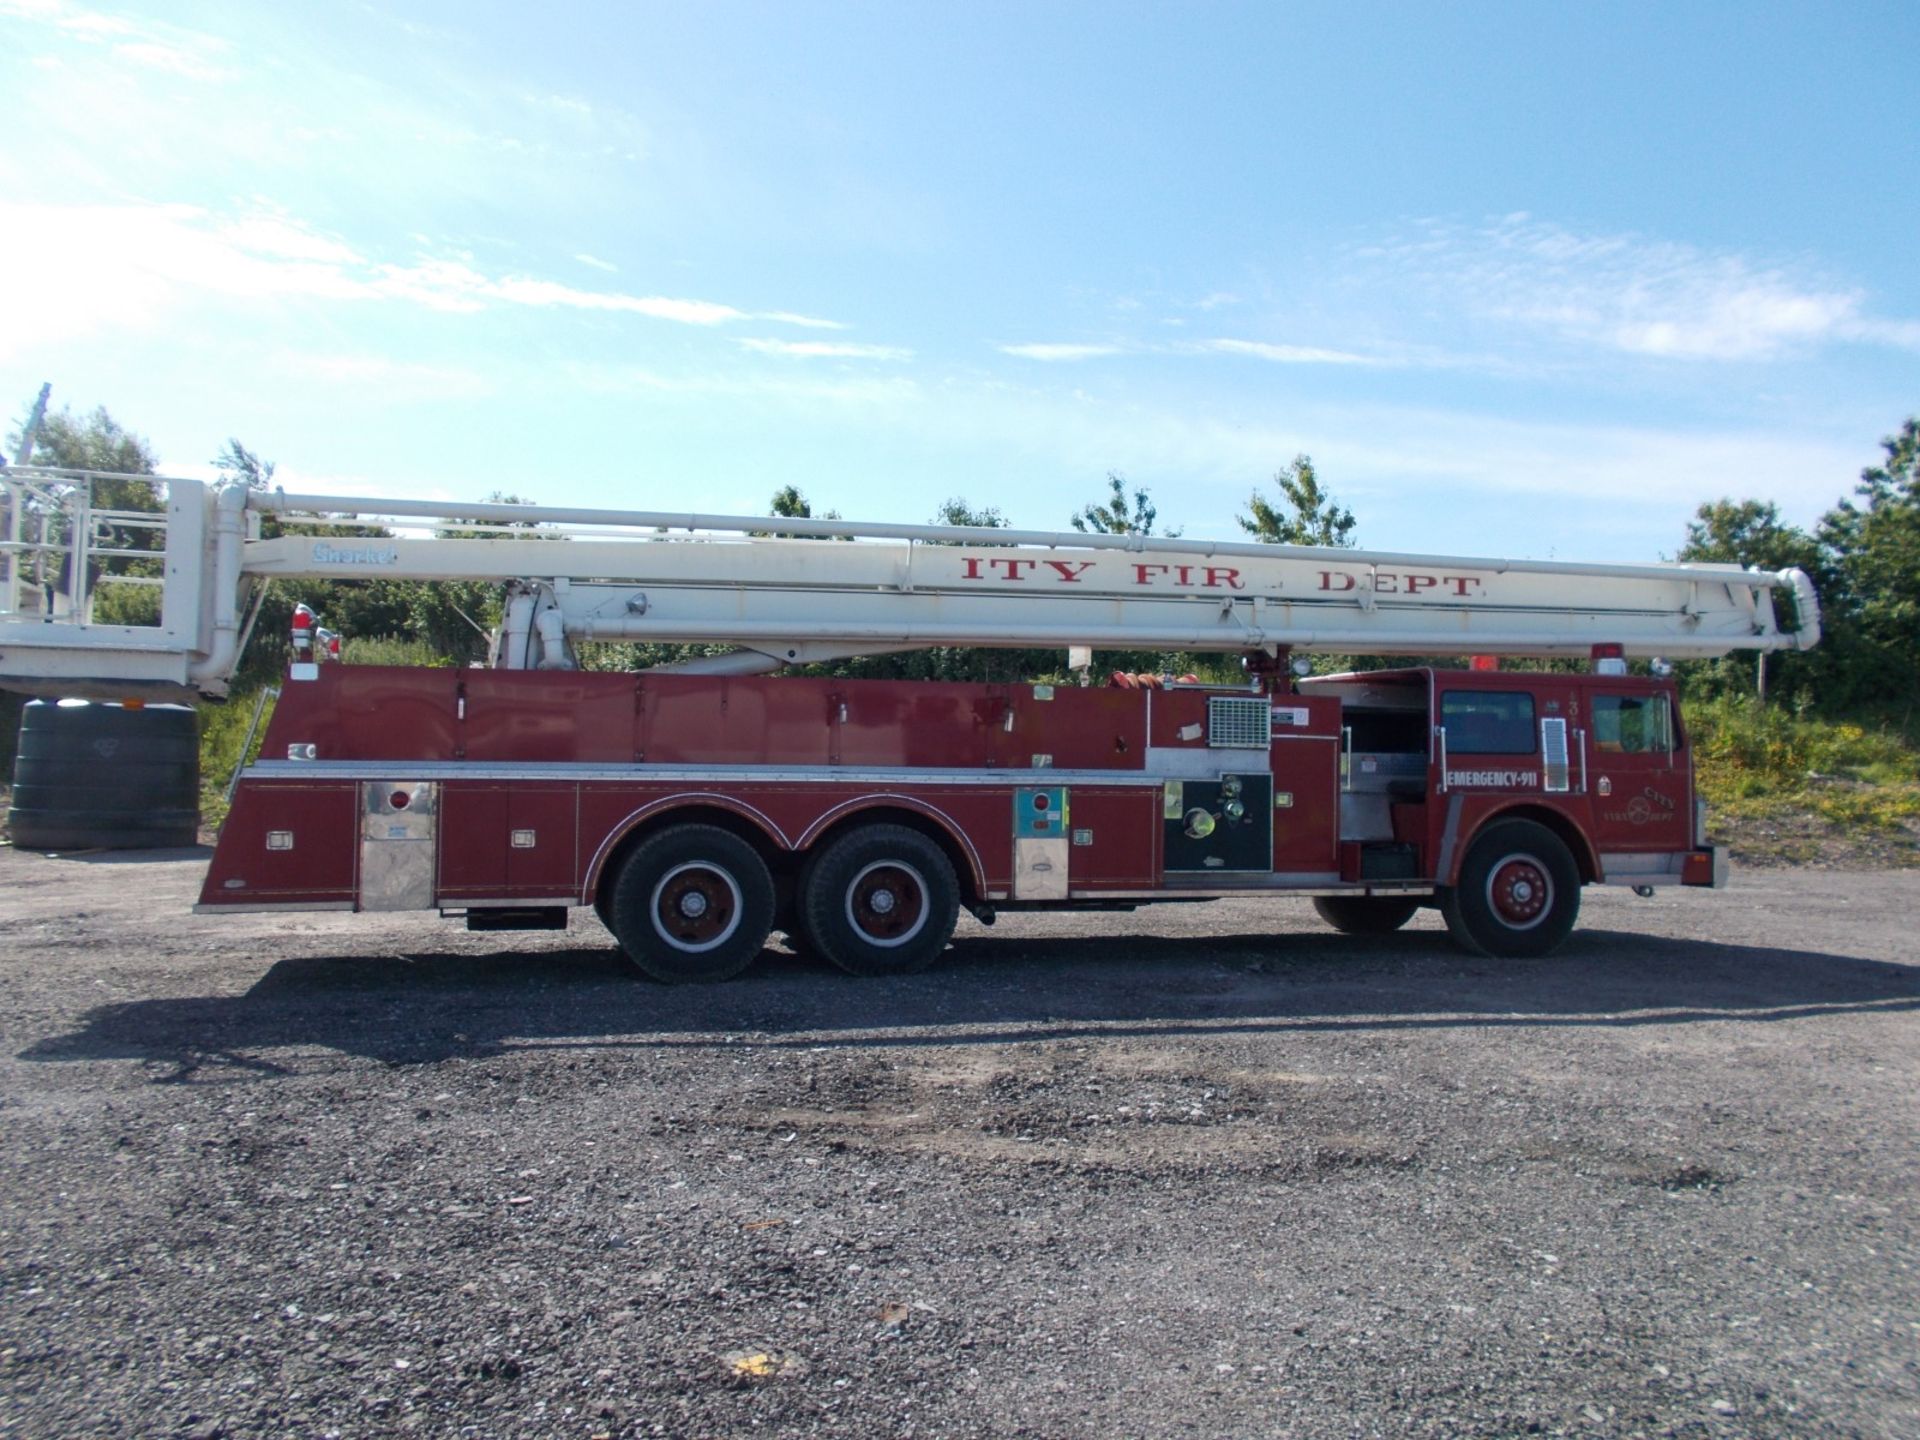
point(848, 588)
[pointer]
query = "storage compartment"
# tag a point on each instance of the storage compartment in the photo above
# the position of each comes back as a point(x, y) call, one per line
point(1218, 825)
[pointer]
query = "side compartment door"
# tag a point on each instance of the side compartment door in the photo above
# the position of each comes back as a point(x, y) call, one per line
point(542, 841)
point(501, 840)
point(1306, 784)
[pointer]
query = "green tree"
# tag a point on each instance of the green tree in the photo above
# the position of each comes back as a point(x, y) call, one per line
point(237, 463)
point(1872, 546)
point(1751, 533)
point(1115, 515)
point(1748, 532)
point(789, 503)
point(956, 511)
point(99, 443)
point(1306, 514)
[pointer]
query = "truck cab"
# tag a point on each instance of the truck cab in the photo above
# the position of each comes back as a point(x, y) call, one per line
point(1585, 778)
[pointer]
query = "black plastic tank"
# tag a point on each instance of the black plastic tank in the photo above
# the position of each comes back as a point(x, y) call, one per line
point(105, 776)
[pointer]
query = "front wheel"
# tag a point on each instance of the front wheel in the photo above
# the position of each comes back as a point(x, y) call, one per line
point(1365, 914)
point(880, 900)
point(693, 903)
point(1519, 892)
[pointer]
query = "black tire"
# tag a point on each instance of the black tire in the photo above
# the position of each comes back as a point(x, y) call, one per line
point(1519, 892)
point(693, 905)
point(880, 900)
point(1365, 914)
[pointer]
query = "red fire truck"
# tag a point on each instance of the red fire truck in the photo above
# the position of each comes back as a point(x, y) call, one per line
point(699, 806)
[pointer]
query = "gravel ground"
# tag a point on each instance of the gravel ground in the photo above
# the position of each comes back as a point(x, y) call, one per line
point(1204, 1170)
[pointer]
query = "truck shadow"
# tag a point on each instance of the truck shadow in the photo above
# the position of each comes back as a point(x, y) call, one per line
point(430, 1005)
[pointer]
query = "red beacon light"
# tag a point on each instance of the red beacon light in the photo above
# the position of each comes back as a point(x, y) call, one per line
point(1484, 662)
point(303, 628)
point(1610, 658)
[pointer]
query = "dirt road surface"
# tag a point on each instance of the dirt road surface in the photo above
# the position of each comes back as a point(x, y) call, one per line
point(1204, 1170)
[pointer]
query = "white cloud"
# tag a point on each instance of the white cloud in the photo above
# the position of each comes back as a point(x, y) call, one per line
point(1259, 349)
point(154, 46)
point(1061, 351)
point(826, 349)
point(1288, 354)
point(1637, 295)
point(805, 392)
point(276, 236)
point(521, 290)
point(174, 59)
point(385, 378)
point(104, 266)
point(597, 263)
point(805, 322)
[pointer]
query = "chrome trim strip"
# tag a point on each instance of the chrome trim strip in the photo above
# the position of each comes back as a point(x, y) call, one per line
point(1255, 880)
point(258, 909)
point(1193, 762)
point(584, 772)
point(536, 902)
point(1304, 884)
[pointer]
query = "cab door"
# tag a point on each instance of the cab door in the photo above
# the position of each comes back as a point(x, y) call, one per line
point(1638, 776)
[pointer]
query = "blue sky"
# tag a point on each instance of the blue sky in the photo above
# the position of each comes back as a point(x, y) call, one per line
point(1523, 279)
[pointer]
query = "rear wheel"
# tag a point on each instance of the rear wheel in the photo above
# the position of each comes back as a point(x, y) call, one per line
point(880, 900)
point(693, 903)
point(1519, 892)
point(1365, 914)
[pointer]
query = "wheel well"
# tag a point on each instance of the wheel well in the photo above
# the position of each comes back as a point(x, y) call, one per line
point(1570, 835)
point(780, 861)
point(912, 820)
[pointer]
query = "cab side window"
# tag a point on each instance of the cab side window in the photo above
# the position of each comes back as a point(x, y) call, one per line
point(1488, 722)
point(1633, 724)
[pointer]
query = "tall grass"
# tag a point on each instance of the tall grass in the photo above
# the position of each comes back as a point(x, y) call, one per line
point(1767, 762)
point(223, 730)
